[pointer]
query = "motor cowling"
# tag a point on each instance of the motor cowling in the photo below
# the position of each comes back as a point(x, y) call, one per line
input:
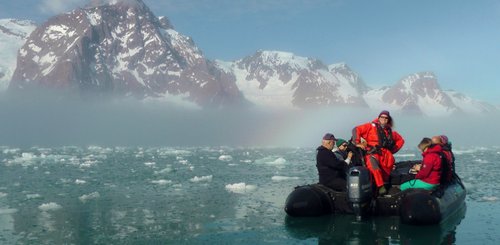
point(359, 189)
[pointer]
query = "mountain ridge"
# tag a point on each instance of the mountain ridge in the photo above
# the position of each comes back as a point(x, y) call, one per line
point(122, 48)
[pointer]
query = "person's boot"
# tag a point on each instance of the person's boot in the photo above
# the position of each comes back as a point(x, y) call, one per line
point(382, 190)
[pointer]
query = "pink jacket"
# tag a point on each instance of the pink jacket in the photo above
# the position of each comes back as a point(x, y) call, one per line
point(430, 172)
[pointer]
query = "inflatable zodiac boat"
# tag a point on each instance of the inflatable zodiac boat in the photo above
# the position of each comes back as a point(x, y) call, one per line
point(413, 206)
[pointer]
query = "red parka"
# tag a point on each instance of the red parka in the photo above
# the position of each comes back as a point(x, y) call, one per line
point(430, 172)
point(368, 131)
point(381, 162)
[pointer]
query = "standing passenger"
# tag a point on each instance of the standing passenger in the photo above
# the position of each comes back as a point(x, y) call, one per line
point(382, 142)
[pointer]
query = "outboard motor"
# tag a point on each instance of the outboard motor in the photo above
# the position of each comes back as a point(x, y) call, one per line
point(359, 188)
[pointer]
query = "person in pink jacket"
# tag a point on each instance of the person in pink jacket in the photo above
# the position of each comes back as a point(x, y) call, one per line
point(429, 172)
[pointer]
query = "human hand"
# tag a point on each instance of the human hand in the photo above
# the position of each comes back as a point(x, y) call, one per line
point(349, 155)
point(362, 146)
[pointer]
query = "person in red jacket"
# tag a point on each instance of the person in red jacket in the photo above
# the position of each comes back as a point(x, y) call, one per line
point(381, 143)
point(429, 172)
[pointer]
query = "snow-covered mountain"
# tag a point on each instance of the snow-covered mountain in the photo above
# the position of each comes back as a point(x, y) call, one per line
point(13, 34)
point(281, 79)
point(121, 48)
point(284, 80)
point(420, 93)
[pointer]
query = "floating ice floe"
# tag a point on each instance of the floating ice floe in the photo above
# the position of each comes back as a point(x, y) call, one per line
point(161, 182)
point(240, 188)
point(490, 199)
point(11, 151)
point(80, 182)
point(271, 161)
point(93, 195)
point(26, 159)
point(202, 178)
point(282, 178)
point(480, 160)
point(163, 171)
point(51, 206)
point(468, 151)
point(33, 196)
point(87, 164)
point(225, 158)
point(278, 161)
point(28, 156)
point(149, 164)
point(167, 152)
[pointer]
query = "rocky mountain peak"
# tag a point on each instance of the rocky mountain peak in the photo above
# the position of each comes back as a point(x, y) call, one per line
point(283, 79)
point(342, 70)
point(122, 48)
point(280, 60)
point(419, 93)
point(421, 83)
point(127, 3)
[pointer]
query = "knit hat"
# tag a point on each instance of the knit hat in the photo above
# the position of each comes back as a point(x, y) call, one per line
point(388, 114)
point(384, 112)
point(340, 142)
point(444, 139)
point(329, 136)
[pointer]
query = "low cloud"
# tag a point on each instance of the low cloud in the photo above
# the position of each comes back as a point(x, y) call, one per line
point(52, 7)
point(56, 121)
point(59, 6)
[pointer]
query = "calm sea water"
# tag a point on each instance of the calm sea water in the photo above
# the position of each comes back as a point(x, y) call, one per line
point(97, 195)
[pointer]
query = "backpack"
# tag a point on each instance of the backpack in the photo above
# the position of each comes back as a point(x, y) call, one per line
point(446, 171)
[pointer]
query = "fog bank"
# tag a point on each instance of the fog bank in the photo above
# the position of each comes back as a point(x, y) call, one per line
point(119, 122)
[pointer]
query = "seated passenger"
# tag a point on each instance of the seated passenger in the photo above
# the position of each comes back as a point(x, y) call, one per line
point(446, 170)
point(342, 152)
point(447, 150)
point(429, 172)
point(331, 170)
